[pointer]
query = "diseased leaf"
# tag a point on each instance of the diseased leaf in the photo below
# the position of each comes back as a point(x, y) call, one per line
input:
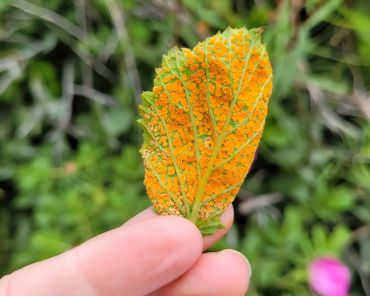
point(202, 124)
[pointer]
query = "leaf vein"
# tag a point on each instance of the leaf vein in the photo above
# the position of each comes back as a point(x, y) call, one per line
point(191, 115)
point(164, 187)
point(210, 110)
point(254, 108)
point(172, 157)
point(240, 149)
point(223, 192)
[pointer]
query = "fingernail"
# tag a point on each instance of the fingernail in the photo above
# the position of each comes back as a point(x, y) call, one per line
point(244, 258)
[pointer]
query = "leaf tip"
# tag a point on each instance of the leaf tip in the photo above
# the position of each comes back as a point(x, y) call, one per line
point(261, 29)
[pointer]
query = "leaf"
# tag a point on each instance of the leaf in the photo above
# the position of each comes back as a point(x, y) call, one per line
point(319, 236)
point(118, 121)
point(322, 14)
point(202, 125)
point(339, 237)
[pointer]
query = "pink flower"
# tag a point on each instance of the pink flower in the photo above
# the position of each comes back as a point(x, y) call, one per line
point(329, 277)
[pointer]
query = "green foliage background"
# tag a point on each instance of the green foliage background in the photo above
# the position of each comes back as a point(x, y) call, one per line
point(71, 74)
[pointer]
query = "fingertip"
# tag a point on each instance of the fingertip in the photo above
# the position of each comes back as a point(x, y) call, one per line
point(216, 274)
point(240, 255)
point(227, 217)
point(233, 271)
point(238, 271)
point(180, 231)
point(171, 225)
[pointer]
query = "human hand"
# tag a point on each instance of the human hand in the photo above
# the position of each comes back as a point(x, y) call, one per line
point(148, 255)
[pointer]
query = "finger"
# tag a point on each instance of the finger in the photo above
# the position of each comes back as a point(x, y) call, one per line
point(226, 219)
point(132, 260)
point(146, 214)
point(214, 274)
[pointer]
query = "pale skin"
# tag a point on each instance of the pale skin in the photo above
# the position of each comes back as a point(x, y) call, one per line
point(148, 255)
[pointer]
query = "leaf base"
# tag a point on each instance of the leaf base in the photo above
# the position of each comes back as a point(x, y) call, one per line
point(209, 226)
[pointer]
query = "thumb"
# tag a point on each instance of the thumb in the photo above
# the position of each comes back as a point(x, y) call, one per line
point(132, 260)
